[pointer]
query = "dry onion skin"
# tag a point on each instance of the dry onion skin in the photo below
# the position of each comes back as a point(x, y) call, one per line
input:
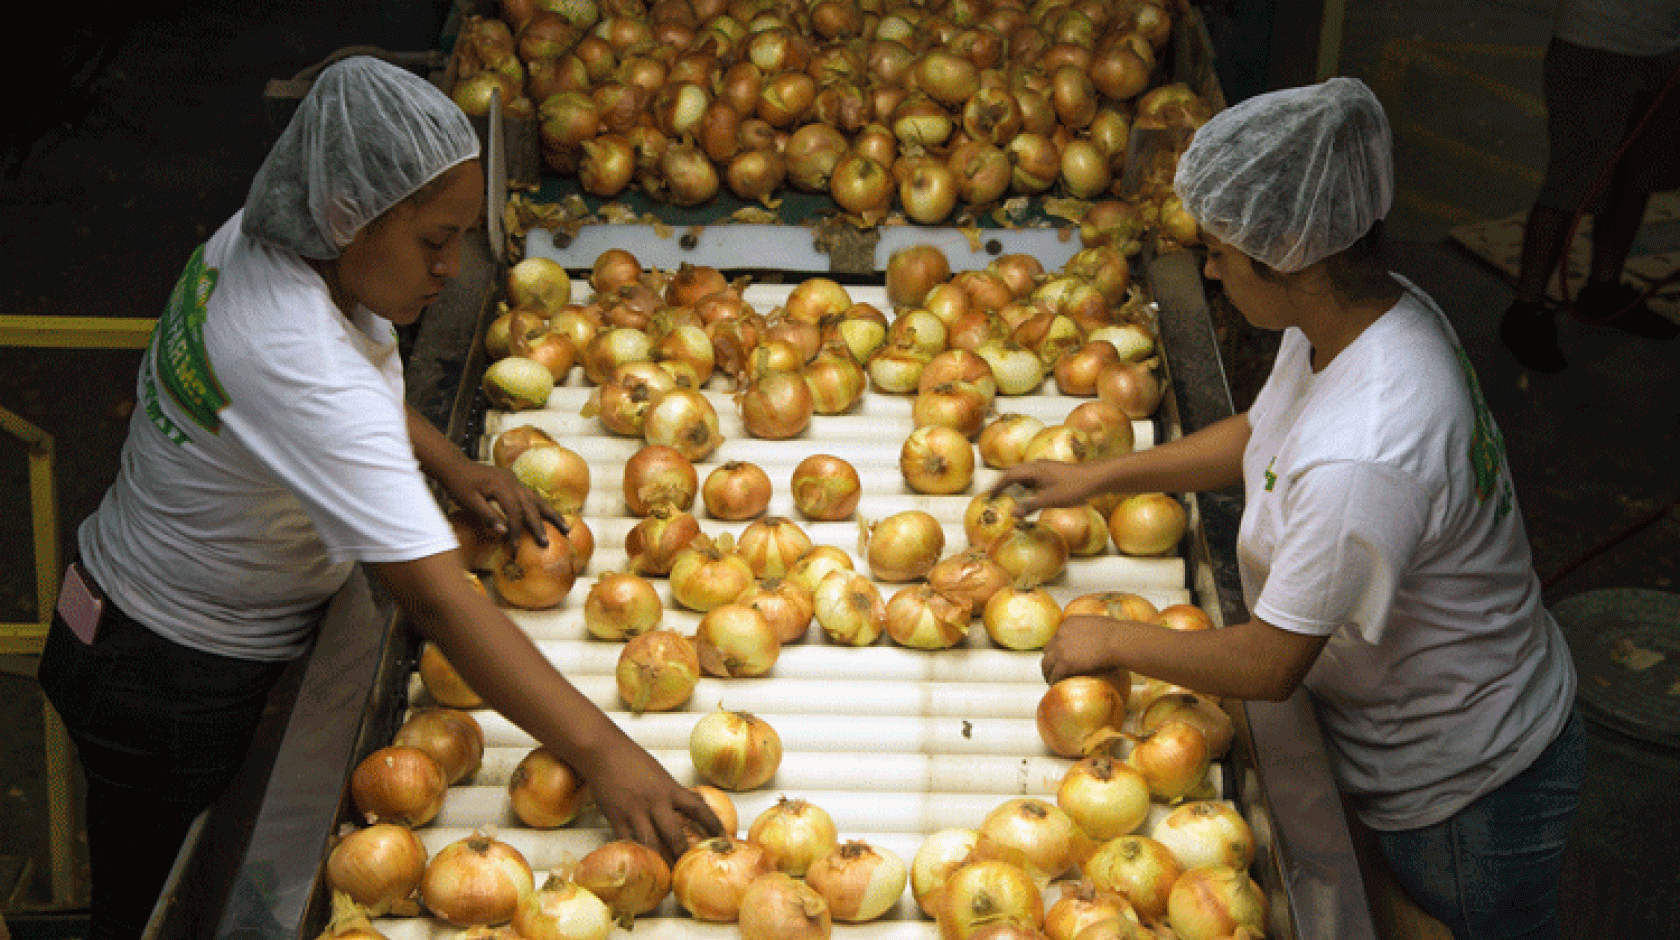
point(379, 867)
point(398, 784)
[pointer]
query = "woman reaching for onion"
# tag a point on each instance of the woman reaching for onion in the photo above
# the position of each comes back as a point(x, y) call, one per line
point(1381, 551)
point(271, 452)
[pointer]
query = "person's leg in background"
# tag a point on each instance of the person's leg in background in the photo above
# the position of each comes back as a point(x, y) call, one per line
point(1495, 868)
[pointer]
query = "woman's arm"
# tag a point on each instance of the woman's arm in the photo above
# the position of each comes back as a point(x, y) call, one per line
point(639, 798)
point(1209, 459)
point(1252, 660)
point(492, 494)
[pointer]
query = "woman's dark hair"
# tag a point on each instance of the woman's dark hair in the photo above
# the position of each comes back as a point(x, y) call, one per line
point(1357, 272)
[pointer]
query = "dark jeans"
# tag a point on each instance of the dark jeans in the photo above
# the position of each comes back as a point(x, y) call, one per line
point(1494, 869)
point(160, 730)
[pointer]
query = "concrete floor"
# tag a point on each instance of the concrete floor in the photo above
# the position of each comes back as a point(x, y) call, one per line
point(104, 199)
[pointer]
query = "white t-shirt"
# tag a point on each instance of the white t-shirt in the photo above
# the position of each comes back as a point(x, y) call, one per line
point(268, 451)
point(1630, 27)
point(1380, 513)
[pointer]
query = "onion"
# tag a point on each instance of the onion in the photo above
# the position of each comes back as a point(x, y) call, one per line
point(735, 750)
point(817, 563)
point(772, 545)
point(535, 577)
point(858, 881)
point(1078, 707)
point(690, 177)
point(1214, 902)
point(957, 405)
point(379, 867)
point(969, 576)
point(836, 380)
point(556, 474)
point(658, 474)
point(710, 878)
point(904, 546)
point(1121, 605)
point(657, 671)
point(849, 608)
point(1017, 617)
point(939, 854)
point(1132, 387)
point(611, 348)
point(1082, 528)
point(1206, 832)
point(628, 876)
point(1184, 617)
point(735, 640)
point(544, 792)
point(1137, 868)
point(987, 519)
point(1107, 798)
point(826, 488)
point(1195, 709)
point(1148, 524)
point(776, 406)
point(708, 574)
point(755, 174)
point(912, 271)
point(443, 682)
point(1032, 553)
point(453, 738)
point(778, 906)
point(1060, 443)
point(920, 330)
point(722, 807)
point(1003, 441)
point(928, 191)
point(539, 282)
point(983, 893)
point(398, 784)
point(476, 881)
point(861, 185)
point(786, 605)
point(1085, 905)
point(736, 490)
point(1017, 369)
point(1108, 428)
point(515, 441)
point(937, 460)
point(1076, 372)
point(918, 616)
point(620, 605)
point(1173, 757)
point(515, 383)
point(794, 834)
point(815, 300)
point(896, 368)
point(1035, 834)
point(684, 418)
point(653, 544)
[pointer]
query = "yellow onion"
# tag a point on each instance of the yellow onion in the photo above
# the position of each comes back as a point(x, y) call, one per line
point(1215, 901)
point(1078, 707)
point(794, 833)
point(1084, 905)
point(657, 671)
point(1139, 869)
point(920, 617)
point(970, 576)
point(628, 876)
point(620, 605)
point(442, 681)
point(734, 640)
point(826, 488)
point(1106, 797)
point(941, 853)
point(515, 383)
point(778, 906)
point(710, 879)
point(379, 867)
point(1019, 617)
point(1035, 834)
point(1206, 832)
point(562, 909)
point(1195, 709)
point(849, 608)
point(708, 574)
point(735, 750)
point(904, 546)
point(988, 892)
point(476, 881)
point(398, 784)
point(453, 738)
point(544, 792)
point(860, 882)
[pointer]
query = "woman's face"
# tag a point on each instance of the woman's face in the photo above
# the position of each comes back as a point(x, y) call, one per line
point(399, 263)
point(1264, 303)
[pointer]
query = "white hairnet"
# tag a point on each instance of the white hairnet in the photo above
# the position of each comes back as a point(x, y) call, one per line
point(1291, 177)
point(365, 137)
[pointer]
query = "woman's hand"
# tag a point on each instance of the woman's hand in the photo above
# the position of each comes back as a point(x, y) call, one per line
point(496, 498)
point(1050, 483)
point(641, 801)
point(1081, 646)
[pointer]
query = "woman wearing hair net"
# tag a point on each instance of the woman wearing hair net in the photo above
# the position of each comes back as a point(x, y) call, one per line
point(1382, 554)
point(272, 450)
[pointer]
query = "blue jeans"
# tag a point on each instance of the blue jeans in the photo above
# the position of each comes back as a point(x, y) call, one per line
point(160, 730)
point(1493, 870)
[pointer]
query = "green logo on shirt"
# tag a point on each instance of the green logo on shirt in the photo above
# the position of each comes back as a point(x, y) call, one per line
point(1271, 478)
point(1487, 445)
point(177, 357)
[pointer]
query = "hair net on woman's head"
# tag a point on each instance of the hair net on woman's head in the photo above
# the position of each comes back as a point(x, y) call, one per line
point(1291, 177)
point(366, 136)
